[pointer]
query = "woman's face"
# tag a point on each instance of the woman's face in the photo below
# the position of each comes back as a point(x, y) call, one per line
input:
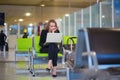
point(52, 27)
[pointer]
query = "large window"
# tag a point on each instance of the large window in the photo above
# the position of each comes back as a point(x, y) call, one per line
point(117, 13)
point(66, 25)
point(95, 15)
point(72, 24)
point(78, 21)
point(13, 29)
point(106, 14)
point(86, 17)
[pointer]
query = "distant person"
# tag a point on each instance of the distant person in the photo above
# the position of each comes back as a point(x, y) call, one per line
point(51, 48)
point(3, 38)
point(25, 35)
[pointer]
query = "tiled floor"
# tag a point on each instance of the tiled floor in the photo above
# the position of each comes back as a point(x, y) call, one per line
point(11, 71)
point(8, 71)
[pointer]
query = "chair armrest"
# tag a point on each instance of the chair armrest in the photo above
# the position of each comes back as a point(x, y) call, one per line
point(93, 58)
point(29, 51)
point(33, 52)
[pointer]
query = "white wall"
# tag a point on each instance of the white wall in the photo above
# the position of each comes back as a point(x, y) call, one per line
point(12, 41)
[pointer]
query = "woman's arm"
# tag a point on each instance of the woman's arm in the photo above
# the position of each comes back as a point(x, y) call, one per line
point(43, 37)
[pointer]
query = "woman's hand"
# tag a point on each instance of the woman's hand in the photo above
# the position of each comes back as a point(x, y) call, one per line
point(54, 29)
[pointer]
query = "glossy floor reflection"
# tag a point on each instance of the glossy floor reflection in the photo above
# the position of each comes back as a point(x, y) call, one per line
point(9, 70)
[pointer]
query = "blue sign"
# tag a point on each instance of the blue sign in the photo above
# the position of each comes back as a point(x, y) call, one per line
point(2, 19)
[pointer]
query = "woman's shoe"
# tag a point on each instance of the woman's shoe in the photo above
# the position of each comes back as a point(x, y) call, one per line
point(54, 75)
point(54, 72)
point(47, 69)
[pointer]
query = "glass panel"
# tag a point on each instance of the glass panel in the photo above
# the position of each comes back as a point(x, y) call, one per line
point(117, 13)
point(86, 17)
point(13, 29)
point(59, 24)
point(63, 23)
point(66, 25)
point(95, 16)
point(72, 24)
point(63, 27)
point(78, 20)
point(22, 28)
point(106, 15)
point(28, 29)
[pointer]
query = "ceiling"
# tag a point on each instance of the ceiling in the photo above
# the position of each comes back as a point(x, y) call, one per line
point(49, 3)
point(15, 9)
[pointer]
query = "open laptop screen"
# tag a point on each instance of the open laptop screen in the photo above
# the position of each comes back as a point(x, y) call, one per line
point(54, 38)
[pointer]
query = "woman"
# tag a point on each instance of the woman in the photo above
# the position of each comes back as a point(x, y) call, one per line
point(51, 48)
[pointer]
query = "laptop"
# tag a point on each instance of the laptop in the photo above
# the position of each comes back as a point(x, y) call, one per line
point(54, 38)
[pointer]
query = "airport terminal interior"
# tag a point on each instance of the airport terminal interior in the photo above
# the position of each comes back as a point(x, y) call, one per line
point(90, 44)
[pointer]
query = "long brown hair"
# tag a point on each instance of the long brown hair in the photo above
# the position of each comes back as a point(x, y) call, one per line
point(48, 24)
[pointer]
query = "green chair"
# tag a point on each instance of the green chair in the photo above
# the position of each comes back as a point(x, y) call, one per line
point(65, 39)
point(23, 46)
point(69, 43)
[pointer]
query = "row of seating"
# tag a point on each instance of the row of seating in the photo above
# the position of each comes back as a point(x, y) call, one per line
point(96, 56)
point(24, 44)
point(30, 48)
point(101, 48)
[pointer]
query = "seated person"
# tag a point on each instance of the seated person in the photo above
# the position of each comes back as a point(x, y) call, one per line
point(51, 48)
point(25, 35)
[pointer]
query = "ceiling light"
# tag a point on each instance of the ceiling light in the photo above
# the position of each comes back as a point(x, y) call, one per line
point(46, 21)
point(42, 5)
point(66, 15)
point(30, 24)
point(20, 20)
point(27, 14)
